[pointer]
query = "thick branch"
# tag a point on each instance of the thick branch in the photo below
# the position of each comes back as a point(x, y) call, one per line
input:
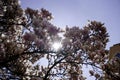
point(47, 74)
point(15, 57)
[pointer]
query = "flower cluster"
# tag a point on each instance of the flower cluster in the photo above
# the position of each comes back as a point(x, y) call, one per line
point(26, 36)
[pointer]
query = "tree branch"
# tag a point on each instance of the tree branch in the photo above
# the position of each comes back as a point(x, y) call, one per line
point(47, 74)
point(15, 57)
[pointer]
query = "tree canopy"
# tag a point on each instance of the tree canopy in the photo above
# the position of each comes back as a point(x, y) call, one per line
point(27, 36)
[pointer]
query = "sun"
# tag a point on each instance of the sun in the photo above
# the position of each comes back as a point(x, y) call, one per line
point(56, 46)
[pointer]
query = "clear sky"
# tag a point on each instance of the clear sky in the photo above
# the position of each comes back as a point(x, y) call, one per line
point(78, 12)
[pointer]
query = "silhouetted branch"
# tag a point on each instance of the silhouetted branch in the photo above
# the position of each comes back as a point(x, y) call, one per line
point(15, 57)
point(47, 73)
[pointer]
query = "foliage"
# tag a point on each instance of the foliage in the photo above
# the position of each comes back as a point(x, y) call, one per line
point(27, 36)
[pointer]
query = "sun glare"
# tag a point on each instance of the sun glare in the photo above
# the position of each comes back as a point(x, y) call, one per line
point(56, 46)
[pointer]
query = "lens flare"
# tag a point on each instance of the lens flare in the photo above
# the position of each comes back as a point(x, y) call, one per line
point(56, 46)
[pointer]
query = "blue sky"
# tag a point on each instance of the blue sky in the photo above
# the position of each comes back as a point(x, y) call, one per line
point(78, 12)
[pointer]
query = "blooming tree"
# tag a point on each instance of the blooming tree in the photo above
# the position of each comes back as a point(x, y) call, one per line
point(27, 36)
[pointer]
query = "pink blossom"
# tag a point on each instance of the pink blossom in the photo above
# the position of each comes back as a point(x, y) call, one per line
point(52, 30)
point(29, 36)
point(44, 23)
point(40, 33)
point(39, 43)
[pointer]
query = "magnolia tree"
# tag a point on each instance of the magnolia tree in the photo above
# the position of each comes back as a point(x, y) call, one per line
point(27, 36)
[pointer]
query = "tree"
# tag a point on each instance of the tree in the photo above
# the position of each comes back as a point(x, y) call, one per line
point(26, 36)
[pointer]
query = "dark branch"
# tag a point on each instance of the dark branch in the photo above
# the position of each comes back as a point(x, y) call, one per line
point(48, 72)
point(15, 57)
